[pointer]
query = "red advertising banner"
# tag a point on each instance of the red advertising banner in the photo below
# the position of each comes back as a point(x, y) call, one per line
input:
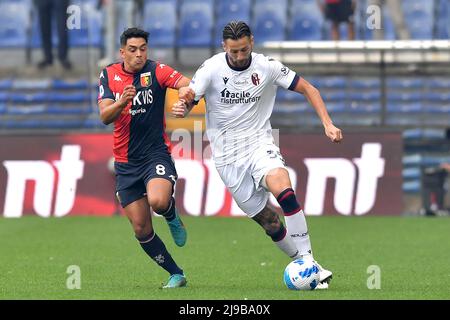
point(69, 175)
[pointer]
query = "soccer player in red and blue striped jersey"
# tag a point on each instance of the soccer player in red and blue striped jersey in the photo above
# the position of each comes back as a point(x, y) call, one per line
point(132, 96)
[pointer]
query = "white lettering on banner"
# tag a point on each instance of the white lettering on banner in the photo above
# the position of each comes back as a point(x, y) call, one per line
point(18, 173)
point(319, 170)
point(371, 167)
point(70, 169)
point(194, 174)
point(215, 194)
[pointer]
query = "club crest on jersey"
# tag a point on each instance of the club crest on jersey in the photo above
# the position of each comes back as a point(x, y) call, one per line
point(255, 79)
point(146, 79)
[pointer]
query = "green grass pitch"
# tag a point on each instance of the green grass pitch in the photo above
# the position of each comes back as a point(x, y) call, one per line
point(224, 258)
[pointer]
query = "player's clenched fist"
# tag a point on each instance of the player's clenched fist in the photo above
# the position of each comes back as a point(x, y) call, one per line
point(334, 133)
point(127, 95)
point(179, 109)
point(186, 94)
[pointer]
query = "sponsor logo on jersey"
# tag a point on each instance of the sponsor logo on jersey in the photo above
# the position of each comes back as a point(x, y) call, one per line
point(284, 71)
point(146, 79)
point(134, 112)
point(237, 97)
point(255, 79)
point(117, 78)
point(241, 82)
point(144, 97)
point(225, 80)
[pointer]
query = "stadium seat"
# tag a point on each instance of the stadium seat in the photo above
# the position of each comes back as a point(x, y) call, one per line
point(329, 82)
point(389, 28)
point(64, 109)
point(284, 95)
point(227, 10)
point(405, 83)
point(411, 186)
point(71, 97)
point(269, 21)
point(161, 22)
point(93, 122)
point(4, 97)
point(442, 97)
point(365, 95)
point(20, 97)
point(27, 109)
point(306, 21)
point(2, 108)
point(293, 110)
point(40, 84)
point(335, 107)
point(365, 107)
point(411, 173)
point(333, 95)
point(364, 83)
point(412, 159)
point(404, 96)
point(419, 133)
point(434, 160)
point(438, 83)
point(419, 17)
point(404, 107)
point(14, 17)
point(5, 84)
point(62, 84)
point(439, 108)
point(196, 23)
point(442, 21)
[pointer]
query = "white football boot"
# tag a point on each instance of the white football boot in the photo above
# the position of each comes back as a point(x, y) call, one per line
point(325, 277)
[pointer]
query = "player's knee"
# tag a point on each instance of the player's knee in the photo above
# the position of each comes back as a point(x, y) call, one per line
point(159, 204)
point(277, 180)
point(142, 229)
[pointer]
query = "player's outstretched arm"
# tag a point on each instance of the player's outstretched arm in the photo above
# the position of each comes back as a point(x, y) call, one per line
point(110, 109)
point(313, 95)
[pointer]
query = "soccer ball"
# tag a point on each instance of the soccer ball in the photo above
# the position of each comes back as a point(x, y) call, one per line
point(301, 275)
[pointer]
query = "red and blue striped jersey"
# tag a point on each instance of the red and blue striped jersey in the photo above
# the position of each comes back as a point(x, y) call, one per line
point(139, 131)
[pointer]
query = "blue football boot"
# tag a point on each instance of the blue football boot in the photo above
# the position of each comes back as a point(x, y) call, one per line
point(176, 281)
point(177, 230)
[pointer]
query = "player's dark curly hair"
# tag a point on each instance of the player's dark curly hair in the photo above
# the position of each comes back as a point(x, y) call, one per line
point(236, 30)
point(133, 33)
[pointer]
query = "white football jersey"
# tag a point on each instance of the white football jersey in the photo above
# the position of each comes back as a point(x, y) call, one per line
point(239, 103)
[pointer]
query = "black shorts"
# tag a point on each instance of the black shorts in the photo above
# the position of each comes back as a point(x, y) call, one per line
point(132, 178)
point(340, 12)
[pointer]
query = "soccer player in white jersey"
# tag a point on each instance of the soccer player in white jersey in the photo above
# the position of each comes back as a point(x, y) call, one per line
point(239, 87)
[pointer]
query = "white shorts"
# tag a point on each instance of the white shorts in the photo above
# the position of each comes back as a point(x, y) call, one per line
point(245, 179)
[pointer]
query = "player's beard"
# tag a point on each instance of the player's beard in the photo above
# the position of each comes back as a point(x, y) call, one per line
point(241, 63)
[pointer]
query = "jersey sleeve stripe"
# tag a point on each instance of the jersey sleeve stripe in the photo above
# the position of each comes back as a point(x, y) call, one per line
point(294, 83)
